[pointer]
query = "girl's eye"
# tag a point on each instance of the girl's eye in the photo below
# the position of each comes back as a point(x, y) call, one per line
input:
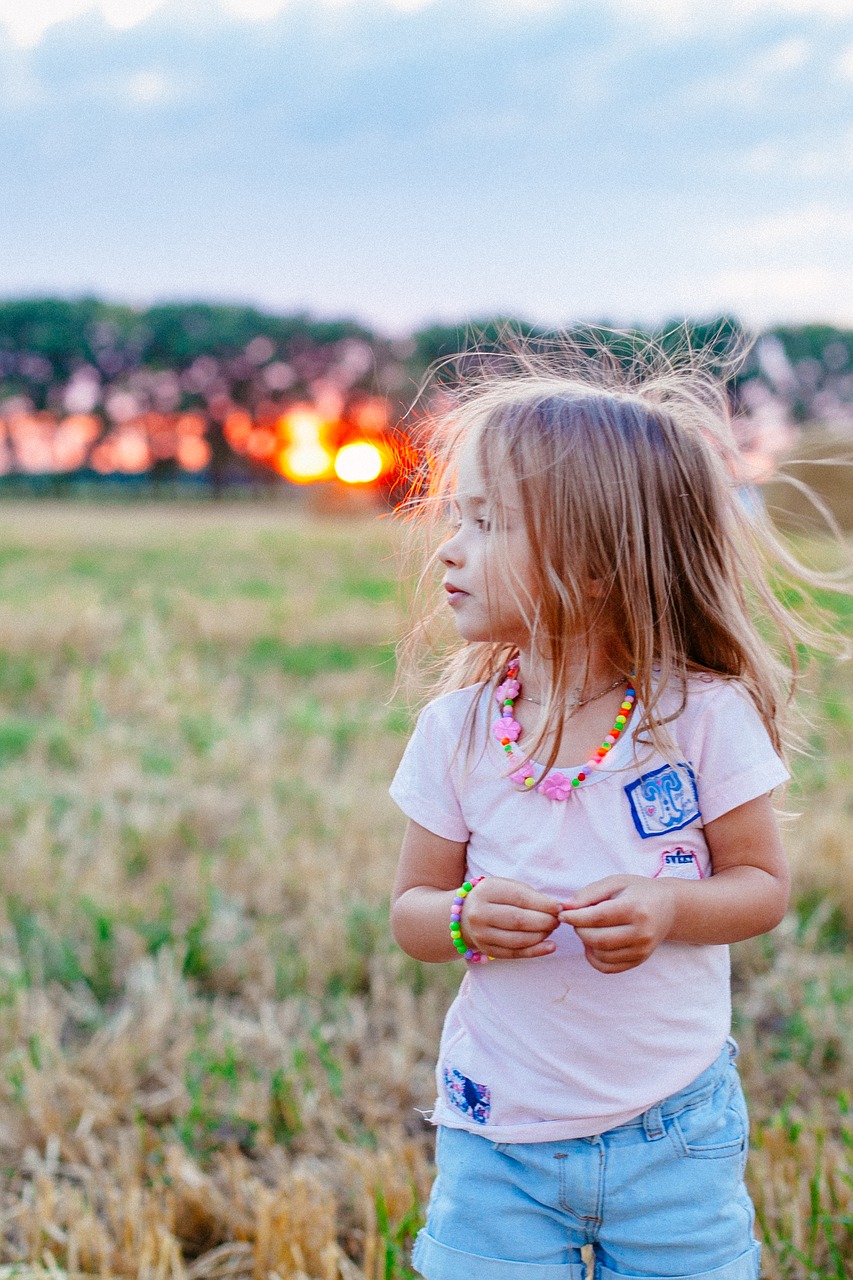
point(484, 524)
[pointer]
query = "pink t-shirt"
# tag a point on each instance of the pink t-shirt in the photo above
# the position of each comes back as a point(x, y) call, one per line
point(551, 1049)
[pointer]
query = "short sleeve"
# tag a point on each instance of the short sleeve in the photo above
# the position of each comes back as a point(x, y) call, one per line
point(736, 761)
point(424, 785)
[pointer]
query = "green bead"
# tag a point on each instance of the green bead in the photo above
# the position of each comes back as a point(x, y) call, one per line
point(576, 782)
point(467, 886)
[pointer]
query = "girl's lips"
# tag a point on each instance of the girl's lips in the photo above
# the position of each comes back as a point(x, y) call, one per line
point(454, 594)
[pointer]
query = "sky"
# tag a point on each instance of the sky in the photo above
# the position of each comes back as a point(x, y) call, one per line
point(401, 162)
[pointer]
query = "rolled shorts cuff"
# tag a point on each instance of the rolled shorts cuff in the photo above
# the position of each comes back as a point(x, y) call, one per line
point(746, 1267)
point(439, 1262)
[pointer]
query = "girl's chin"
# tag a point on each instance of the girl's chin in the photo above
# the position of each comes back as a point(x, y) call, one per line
point(472, 634)
point(483, 635)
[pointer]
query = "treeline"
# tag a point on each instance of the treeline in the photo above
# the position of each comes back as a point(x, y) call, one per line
point(116, 364)
point(45, 342)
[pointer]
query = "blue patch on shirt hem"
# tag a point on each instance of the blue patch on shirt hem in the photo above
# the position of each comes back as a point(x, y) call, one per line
point(472, 1099)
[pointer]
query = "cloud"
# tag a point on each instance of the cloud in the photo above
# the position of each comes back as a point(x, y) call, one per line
point(775, 294)
point(844, 65)
point(764, 158)
point(680, 14)
point(150, 88)
point(27, 22)
point(828, 158)
point(796, 226)
point(264, 10)
point(750, 83)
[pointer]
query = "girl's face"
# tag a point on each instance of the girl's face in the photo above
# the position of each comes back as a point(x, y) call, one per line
point(487, 566)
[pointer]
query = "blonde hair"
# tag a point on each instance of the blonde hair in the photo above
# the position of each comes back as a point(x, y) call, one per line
point(628, 481)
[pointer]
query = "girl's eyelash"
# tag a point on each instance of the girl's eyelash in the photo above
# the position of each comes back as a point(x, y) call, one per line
point(454, 520)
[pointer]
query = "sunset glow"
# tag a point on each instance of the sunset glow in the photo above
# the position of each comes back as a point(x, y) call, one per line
point(305, 457)
point(301, 444)
point(359, 463)
point(305, 463)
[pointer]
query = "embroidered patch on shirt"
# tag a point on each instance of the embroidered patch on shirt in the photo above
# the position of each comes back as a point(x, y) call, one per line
point(679, 864)
point(467, 1096)
point(664, 800)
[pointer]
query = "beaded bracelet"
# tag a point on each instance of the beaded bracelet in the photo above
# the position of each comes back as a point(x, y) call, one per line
point(456, 926)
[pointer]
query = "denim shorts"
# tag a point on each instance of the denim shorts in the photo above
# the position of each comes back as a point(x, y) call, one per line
point(660, 1197)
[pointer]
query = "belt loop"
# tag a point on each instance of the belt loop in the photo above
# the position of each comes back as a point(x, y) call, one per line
point(653, 1122)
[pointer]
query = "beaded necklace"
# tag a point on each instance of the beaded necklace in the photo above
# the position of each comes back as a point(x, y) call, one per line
point(507, 730)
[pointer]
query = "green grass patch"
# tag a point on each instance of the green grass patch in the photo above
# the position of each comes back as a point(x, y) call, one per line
point(16, 738)
point(306, 661)
point(374, 589)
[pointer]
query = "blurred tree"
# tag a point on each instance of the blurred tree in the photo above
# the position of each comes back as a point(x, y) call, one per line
point(121, 364)
point(440, 342)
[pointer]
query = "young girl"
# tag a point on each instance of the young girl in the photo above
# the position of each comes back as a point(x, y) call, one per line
point(590, 826)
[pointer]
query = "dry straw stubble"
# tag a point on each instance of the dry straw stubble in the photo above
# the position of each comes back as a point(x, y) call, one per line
point(211, 1055)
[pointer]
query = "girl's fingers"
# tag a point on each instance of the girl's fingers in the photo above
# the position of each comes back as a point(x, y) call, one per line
point(506, 940)
point(599, 891)
point(519, 920)
point(496, 952)
point(507, 919)
point(530, 953)
point(512, 893)
point(615, 939)
point(615, 961)
point(601, 915)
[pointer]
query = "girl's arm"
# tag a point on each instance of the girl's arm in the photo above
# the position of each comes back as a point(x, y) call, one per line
point(622, 919)
point(501, 918)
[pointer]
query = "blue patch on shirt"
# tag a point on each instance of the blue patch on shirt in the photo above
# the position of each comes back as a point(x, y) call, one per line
point(467, 1096)
point(664, 800)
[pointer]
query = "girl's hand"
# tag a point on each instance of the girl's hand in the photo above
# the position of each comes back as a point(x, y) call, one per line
point(508, 920)
point(621, 920)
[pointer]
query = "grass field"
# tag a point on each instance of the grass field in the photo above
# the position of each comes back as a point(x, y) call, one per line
point(211, 1053)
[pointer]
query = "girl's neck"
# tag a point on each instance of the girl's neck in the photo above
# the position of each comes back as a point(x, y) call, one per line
point(590, 673)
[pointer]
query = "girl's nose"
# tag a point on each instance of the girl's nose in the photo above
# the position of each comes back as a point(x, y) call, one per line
point(451, 553)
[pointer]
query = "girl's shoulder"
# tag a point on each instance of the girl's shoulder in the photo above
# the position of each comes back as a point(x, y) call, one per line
point(455, 707)
point(705, 700)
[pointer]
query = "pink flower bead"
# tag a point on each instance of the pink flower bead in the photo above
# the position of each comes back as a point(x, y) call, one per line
point(556, 786)
point(509, 689)
point(520, 777)
point(506, 728)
